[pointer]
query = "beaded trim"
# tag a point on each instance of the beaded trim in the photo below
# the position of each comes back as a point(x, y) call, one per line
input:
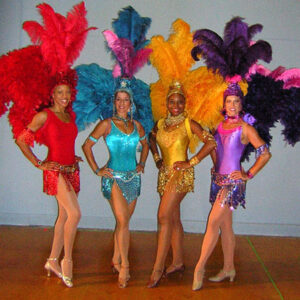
point(261, 150)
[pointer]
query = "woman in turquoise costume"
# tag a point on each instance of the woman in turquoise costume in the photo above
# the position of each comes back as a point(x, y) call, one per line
point(121, 182)
point(125, 122)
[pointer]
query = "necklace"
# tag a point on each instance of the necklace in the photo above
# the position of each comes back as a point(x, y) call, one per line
point(125, 120)
point(174, 120)
point(232, 119)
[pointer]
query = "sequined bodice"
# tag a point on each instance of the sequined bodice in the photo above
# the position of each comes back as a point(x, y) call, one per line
point(229, 149)
point(173, 144)
point(122, 148)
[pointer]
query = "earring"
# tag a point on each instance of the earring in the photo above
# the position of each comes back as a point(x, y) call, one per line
point(131, 113)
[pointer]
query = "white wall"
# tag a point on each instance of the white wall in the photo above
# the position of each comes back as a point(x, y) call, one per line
point(272, 197)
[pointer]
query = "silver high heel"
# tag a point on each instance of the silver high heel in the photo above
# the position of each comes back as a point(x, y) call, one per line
point(223, 275)
point(50, 269)
point(197, 284)
point(66, 280)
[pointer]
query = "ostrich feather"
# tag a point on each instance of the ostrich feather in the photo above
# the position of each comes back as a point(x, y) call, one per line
point(131, 26)
point(164, 59)
point(181, 40)
point(235, 53)
point(234, 29)
point(61, 38)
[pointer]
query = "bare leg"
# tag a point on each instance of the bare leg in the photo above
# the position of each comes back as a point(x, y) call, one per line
point(121, 210)
point(116, 259)
point(168, 204)
point(217, 217)
point(68, 200)
point(176, 241)
point(58, 238)
point(228, 242)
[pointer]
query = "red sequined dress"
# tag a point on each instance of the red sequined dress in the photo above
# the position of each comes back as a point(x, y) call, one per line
point(60, 137)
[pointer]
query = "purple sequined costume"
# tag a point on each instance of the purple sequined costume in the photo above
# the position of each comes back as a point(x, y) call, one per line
point(229, 152)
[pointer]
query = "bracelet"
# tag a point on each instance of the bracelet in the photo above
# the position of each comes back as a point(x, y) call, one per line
point(194, 161)
point(250, 175)
point(38, 163)
point(97, 171)
point(142, 163)
point(156, 157)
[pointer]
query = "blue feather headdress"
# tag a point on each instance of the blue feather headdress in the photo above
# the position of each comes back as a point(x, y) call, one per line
point(97, 86)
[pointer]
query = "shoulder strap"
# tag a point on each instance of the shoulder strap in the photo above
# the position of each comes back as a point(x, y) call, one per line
point(160, 123)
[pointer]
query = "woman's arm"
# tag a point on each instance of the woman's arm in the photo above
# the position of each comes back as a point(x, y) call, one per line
point(91, 140)
point(153, 147)
point(251, 135)
point(209, 145)
point(22, 141)
point(145, 148)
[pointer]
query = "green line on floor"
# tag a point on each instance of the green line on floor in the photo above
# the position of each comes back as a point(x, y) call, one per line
point(265, 268)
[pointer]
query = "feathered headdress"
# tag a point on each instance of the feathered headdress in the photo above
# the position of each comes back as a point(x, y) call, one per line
point(233, 57)
point(96, 86)
point(173, 61)
point(28, 75)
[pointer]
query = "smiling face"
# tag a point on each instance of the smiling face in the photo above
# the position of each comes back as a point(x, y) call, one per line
point(61, 95)
point(233, 105)
point(176, 104)
point(122, 103)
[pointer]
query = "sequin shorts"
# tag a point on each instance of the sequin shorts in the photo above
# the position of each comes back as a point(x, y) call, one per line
point(128, 182)
point(170, 180)
point(235, 190)
point(69, 173)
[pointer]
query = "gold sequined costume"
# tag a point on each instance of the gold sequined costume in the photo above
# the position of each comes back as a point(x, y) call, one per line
point(173, 144)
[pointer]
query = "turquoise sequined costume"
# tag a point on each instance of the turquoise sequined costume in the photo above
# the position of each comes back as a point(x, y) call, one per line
point(122, 152)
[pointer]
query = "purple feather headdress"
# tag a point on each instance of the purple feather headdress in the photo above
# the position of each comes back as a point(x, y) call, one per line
point(233, 89)
point(233, 55)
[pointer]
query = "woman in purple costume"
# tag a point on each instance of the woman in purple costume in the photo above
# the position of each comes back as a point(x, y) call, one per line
point(228, 183)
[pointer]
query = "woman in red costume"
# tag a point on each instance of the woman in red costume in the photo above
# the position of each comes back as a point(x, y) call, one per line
point(45, 68)
point(61, 174)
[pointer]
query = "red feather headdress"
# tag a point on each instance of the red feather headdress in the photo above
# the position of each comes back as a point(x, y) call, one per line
point(28, 75)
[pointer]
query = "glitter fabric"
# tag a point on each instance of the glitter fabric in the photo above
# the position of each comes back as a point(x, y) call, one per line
point(235, 190)
point(261, 150)
point(122, 151)
point(27, 136)
point(170, 180)
point(69, 173)
point(128, 182)
point(173, 145)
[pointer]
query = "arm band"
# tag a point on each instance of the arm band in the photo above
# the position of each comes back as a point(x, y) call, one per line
point(143, 137)
point(261, 150)
point(93, 139)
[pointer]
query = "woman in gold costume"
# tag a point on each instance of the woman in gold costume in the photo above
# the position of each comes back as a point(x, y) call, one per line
point(176, 177)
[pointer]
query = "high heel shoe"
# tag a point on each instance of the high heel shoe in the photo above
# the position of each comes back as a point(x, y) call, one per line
point(65, 279)
point(50, 269)
point(114, 268)
point(123, 281)
point(154, 283)
point(176, 269)
point(197, 284)
point(222, 275)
